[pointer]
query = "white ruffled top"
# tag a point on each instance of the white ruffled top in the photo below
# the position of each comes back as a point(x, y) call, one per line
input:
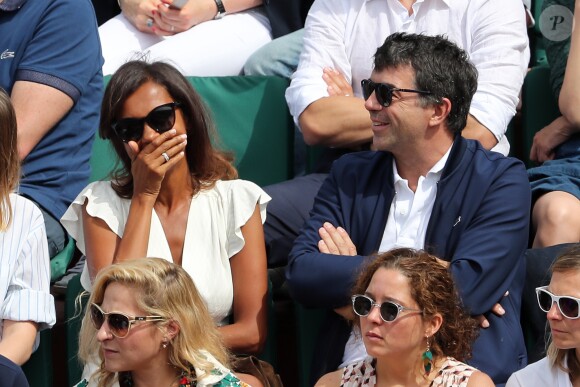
point(212, 237)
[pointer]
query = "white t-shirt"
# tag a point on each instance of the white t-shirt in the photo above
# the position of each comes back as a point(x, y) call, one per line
point(345, 34)
point(212, 237)
point(539, 374)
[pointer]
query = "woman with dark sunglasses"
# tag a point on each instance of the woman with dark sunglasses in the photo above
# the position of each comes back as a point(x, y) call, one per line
point(413, 326)
point(176, 197)
point(561, 301)
point(153, 329)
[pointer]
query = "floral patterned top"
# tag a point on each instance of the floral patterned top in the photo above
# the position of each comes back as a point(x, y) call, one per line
point(219, 376)
point(453, 373)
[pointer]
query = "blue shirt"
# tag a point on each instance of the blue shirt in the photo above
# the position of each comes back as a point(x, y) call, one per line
point(56, 43)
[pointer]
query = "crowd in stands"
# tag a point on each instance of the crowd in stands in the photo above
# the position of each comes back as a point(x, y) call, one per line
point(415, 232)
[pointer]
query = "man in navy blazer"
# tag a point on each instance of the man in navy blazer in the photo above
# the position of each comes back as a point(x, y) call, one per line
point(423, 186)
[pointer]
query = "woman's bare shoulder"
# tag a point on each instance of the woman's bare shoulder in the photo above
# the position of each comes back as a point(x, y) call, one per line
point(332, 379)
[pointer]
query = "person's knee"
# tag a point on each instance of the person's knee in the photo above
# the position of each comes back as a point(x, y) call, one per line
point(279, 57)
point(557, 209)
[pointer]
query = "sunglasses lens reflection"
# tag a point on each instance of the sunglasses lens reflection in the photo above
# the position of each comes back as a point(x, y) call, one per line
point(97, 317)
point(161, 119)
point(569, 307)
point(367, 88)
point(384, 95)
point(362, 306)
point(389, 311)
point(545, 301)
point(119, 324)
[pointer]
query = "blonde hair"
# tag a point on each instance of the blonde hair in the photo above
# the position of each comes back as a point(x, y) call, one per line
point(9, 160)
point(569, 260)
point(162, 289)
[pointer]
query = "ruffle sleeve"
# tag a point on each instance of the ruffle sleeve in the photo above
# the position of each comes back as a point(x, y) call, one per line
point(103, 203)
point(243, 196)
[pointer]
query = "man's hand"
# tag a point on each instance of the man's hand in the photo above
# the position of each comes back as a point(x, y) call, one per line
point(547, 139)
point(335, 241)
point(346, 312)
point(496, 309)
point(337, 83)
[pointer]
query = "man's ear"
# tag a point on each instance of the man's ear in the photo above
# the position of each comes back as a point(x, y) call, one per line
point(440, 112)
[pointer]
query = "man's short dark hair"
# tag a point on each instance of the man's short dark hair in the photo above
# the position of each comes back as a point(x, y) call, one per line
point(440, 66)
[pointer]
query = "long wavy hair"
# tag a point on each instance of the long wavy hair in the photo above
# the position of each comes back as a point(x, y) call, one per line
point(569, 260)
point(9, 160)
point(206, 164)
point(164, 289)
point(433, 289)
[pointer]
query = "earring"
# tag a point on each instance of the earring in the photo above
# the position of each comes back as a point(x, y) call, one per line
point(164, 343)
point(427, 359)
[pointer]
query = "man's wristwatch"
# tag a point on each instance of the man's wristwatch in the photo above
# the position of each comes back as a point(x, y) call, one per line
point(221, 9)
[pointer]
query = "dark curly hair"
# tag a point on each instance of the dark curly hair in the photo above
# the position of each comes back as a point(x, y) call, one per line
point(433, 289)
point(206, 164)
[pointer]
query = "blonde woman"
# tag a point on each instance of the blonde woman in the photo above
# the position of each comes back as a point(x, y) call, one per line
point(561, 301)
point(153, 329)
point(26, 305)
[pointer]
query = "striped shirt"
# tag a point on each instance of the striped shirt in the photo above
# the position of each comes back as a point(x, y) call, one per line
point(25, 268)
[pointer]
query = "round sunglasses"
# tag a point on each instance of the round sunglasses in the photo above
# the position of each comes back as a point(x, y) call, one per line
point(389, 310)
point(119, 323)
point(383, 91)
point(160, 119)
point(568, 306)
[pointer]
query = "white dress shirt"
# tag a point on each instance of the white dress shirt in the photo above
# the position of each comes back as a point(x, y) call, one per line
point(345, 34)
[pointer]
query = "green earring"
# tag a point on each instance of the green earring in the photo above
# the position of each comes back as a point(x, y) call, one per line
point(427, 359)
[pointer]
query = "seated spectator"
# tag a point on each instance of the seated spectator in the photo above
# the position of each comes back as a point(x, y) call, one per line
point(153, 329)
point(561, 301)
point(51, 68)
point(175, 197)
point(200, 37)
point(280, 57)
point(27, 306)
point(412, 324)
point(426, 187)
point(325, 97)
point(556, 183)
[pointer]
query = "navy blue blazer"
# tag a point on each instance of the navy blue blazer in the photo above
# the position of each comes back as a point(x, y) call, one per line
point(479, 224)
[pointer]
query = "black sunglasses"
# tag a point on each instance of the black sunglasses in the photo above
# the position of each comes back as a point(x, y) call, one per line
point(160, 119)
point(389, 310)
point(383, 91)
point(569, 306)
point(119, 323)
